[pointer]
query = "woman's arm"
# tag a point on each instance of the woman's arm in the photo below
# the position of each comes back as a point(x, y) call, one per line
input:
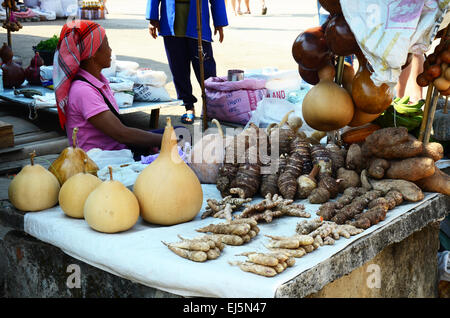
point(110, 125)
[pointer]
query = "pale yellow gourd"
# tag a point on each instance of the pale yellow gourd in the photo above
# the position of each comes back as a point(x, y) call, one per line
point(111, 207)
point(168, 190)
point(327, 106)
point(74, 192)
point(34, 188)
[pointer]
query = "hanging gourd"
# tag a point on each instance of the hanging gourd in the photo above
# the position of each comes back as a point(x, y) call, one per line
point(367, 96)
point(34, 188)
point(168, 190)
point(72, 161)
point(111, 207)
point(327, 106)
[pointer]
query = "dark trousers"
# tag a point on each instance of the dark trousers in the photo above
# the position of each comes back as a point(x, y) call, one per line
point(181, 53)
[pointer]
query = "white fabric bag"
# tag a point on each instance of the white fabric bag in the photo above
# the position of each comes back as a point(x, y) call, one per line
point(149, 93)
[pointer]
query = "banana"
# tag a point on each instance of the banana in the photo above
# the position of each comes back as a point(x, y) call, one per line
point(404, 109)
point(403, 100)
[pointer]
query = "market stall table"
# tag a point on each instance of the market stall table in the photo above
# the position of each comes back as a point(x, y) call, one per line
point(139, 256)
point(153, 107)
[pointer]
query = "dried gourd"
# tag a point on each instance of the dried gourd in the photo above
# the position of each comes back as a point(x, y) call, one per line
point(34, 188)
point(71, 161)
point(168, 190)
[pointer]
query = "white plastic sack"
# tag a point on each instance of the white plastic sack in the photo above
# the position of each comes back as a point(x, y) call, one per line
point(53, 6)
point(148, 93)
point(387, 31)
point(70, 7)
point(150, 77)
point(126, 66)
point(110, 71)
point(124, 99)
point(31, 3)
point(118, 84)
point(272, 110)
point(104, 158)
point(281, 88)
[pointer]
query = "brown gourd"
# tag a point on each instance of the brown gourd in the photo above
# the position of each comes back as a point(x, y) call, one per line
point(34, 188)
point(168, 190)
point(71, 161)
point(368, 97)
point(327, 106)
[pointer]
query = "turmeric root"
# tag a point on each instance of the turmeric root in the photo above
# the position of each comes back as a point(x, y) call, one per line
point(296, 253)
point(300, 238)
point(232, 229)
point(307, 226)
point(262, 270)
point(196, 256)
point(261, 259)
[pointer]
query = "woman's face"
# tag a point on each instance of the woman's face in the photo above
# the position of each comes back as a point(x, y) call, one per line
point(103, 55)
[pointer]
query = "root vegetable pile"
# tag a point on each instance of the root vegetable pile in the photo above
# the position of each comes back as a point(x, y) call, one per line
point(295, 246)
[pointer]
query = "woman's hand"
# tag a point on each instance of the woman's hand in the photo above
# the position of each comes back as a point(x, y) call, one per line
point(153, 28)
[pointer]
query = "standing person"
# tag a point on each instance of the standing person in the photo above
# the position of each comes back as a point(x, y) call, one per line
point(176, 22)
point(263, 7)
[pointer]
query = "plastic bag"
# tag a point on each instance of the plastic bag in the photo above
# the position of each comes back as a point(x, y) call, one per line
point(70, 7)
point(104, 158)
point(53, 6)
point(125, 173)
point(148, 93)
point(272, 110)
point(124, 99)
point(387, 31)
point(149, 77)
point(118, 84)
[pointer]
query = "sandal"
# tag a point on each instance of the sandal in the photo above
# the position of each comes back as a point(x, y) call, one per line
point(264, 11)
point(188, 118)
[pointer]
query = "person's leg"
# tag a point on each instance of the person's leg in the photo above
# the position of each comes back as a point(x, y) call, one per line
point(209, 64)
point(263, 7)
point(247, 5)
point(233, 5)
point(407, 85)
point(178, 56)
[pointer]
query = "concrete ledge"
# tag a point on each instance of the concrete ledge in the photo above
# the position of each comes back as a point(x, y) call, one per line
point(365, 249)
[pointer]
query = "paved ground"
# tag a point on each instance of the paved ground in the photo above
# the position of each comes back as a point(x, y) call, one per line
point(251, 41)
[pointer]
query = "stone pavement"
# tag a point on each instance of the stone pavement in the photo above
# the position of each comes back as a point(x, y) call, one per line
point(251, 41)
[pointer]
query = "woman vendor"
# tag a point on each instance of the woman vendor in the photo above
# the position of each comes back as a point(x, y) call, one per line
point(84, 97)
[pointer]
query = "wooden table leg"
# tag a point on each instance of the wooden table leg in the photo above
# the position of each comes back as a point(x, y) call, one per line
point(154, 118)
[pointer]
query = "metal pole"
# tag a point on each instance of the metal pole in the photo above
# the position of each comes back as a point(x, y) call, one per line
point(202, 68)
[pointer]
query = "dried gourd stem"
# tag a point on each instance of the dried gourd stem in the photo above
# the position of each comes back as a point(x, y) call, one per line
point(430, 118)
point(74, 137)
point(110, 173)
point(219, 126)
point(32, 155)
point(285, 119)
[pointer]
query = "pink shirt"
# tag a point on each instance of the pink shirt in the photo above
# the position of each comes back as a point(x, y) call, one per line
point(85, 102)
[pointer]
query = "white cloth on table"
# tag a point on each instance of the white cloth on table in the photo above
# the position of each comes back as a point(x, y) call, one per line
point(140, 256)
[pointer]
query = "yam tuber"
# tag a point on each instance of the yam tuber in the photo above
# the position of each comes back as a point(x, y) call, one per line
point(410, 191)
point(354, 159)
point(377, 168)
point(411, 169)
point(306, 183)
point(438, 182)
point(319, 195)
point(348, 179)
point(406, 149)
point(433, 150)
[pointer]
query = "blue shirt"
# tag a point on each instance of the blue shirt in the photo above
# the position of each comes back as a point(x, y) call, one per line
point(166, 17)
